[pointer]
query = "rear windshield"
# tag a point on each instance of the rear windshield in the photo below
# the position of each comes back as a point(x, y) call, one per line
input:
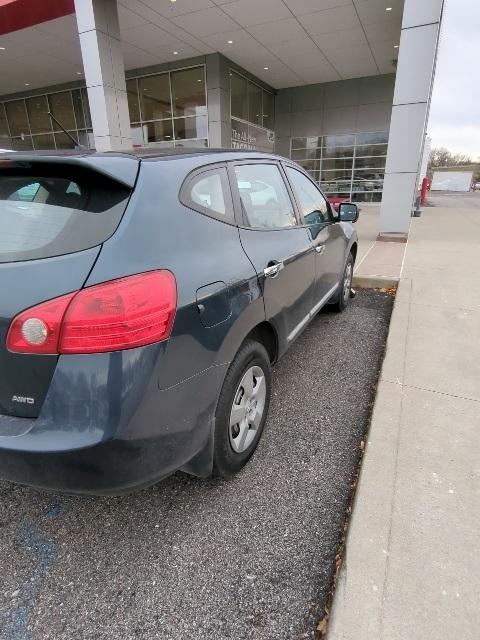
point(50, 209)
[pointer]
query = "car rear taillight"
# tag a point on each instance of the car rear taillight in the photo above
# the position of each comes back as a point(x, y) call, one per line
point(115, 315)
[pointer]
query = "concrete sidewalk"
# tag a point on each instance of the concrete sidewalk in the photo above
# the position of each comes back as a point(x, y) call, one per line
point(378, 264)
point(412, 563)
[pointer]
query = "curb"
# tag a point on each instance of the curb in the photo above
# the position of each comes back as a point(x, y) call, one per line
point(374, 282)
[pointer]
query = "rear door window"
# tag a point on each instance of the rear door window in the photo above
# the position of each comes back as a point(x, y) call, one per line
point(264, 197)
point(48, 210)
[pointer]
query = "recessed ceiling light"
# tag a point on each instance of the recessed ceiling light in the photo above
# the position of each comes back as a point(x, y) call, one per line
point(79, 73)
point(175, 53)
point(27, 84)
point(2, 48)
point(173, 0)
point(395, 46)
point(229, 41)
point(388, 9)
point(266, 68)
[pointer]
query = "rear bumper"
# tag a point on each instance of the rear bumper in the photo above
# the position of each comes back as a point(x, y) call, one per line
point(116, 431)
point(113, 467)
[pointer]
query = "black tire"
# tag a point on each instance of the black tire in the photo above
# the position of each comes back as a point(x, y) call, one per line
point(226, 461)
point(344, 291)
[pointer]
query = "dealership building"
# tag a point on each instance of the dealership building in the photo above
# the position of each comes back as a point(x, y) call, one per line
point(341, 86)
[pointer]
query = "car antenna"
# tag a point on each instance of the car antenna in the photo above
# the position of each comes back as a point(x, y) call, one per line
point(75, 142)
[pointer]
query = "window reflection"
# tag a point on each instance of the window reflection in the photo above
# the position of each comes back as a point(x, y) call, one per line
point(150, 99)
point(349, 165)
point(188, 92)
point(191, 128)
point(154, 94)
point(133, 103)
point(37, 109)
point(61, 106)
point(17, 117)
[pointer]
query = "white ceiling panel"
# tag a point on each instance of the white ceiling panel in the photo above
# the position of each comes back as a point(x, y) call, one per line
point(319, 62)
point(70, 53)
point(387, 32)
point(173, 9)
point(301, 7)
point(359, 53)
point(129, 19)
point(253, 12)
point(240, 39)
point(356, 69)
point(315, 75)
point(330, 20)
point(374, 11)
point(148, 36)
point(206, 22)
point(300, 41)
point(341, 39)
point(135, 57)
point(299, 47)
point(279, 31)
point(64, 28)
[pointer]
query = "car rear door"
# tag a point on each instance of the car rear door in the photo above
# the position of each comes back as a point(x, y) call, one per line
point(327, 236)
point(280, 250)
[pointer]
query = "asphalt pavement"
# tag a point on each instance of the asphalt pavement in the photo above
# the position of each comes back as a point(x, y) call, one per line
point(252, 557)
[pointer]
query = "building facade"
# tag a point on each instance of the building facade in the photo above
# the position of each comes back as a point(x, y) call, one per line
point(338, 128)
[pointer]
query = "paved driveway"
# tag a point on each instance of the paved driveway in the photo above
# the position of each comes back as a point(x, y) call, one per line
point(208, 560)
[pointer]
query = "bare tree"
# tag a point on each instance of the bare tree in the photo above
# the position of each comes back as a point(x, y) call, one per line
point(442, 157)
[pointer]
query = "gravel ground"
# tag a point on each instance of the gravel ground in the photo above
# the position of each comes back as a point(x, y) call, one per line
point(248, 558)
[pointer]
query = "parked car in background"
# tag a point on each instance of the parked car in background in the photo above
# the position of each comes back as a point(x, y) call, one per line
point(143, 301)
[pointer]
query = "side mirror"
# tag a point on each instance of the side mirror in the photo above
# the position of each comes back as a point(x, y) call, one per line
point(348, 212)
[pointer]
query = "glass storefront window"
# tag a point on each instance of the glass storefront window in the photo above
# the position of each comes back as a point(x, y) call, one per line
point(188, 92)
point(160, 131)
point(251, 103)
point(338, 152)
point(150, 104)
point(78, 108)
point(377, 137)
point(350, 166)
point(309, 165)
point(22, 144)
point(133, 103)
point(255, 105)
point(44, 141)
point(371, 150)
point(300, 154)
point(340, 163)
point(238, 96)
point(154, 94)
point(4, 133)
point(17, 118)
point(338, 141)
point(61, 106)
point(186, 128)
point(375, 162)
point(86, 108)
point(268, 110)
point(63, 141)
point(37, 109)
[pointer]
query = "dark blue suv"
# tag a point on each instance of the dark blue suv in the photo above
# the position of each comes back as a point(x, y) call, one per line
point(143, 300)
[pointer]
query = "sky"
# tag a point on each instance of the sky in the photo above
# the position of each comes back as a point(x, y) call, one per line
point(455, 110)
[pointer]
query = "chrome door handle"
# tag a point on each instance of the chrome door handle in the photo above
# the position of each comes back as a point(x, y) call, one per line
point(273, 270)
point(320, 248)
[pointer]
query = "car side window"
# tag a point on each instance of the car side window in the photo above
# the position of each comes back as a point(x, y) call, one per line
point(264, 197)
point(312, 203)
point(206, 191)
